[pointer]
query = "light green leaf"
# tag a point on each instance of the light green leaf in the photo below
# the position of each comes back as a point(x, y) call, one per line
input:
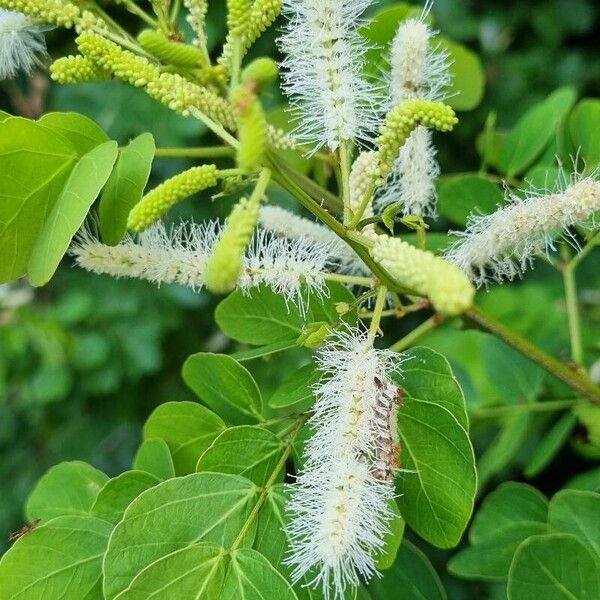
point(188, 429)
point(550, 445)
point(61, 559)
point(4, 115)
point(534, 131)
point(68, 213)
point(249, 451)
point(392, 540)
point(118, 493)
point(197, 571)
point(69, 488)
point(463, 195)
point(39, 162)
point(251, 576)
point(259, 318)
point(437, 490)
point(263, 351)
point(80, 130)
point(554, 567)
point(173, 515)
point(509, 515)
point(584, 124)
point(296, 395)
point(578, 513)
point(225, 385)
point(153, 456)
point(125, 187)
point(412, 577)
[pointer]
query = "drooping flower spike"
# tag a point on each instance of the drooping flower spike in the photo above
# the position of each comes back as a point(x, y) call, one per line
point(502, 245)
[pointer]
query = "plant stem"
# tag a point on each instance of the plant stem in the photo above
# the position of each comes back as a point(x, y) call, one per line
point(175, 14)
point(568, 273)
point(415, 334)
point(345, 176)
point(379, 305)
point(203, 152)
point(592, 243)
point(262, 183)
point(363, 206)
point(215, 127)
point(576, 381)
point(350, 279)
point(134, 9)
point(502, 411)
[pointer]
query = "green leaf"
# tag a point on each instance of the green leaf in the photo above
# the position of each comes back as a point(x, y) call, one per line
point(188, 429)
point(4, 115)
point(295, 395)
point(578, 513)
point(69, 211)
point(81, 131)
point(249, 451)
point(468, 78)
point(588, 481)
point(509, 515)
point(259, 318)
point(324, 309)
point(463, 195)
point(251, 576)
point(225, 385)
point(392, 540)
point(118, 493)
point(125, 187)
point(153, 456)
point(584, 124)
point(550, 444)
point(263, 351)
point(534, 131)
point(39, 162)
point(411, 578)
point(69, 488)
point(437, 490)
point(197, 571)
point(173, 515)
point(61, 559)
point(554, 567)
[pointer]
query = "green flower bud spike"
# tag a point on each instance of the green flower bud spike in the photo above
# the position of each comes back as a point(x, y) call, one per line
point(251, 125)
point(446, 286)
point(169, 52)
point(76, 69)
point(225, 265)
point(400, 123)
point(262, 70)
point(155, 205)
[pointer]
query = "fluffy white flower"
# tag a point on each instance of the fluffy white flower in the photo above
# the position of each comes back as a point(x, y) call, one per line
point(22, 45)
point(180, 255)
point(322, 71)
point(339, 507)
point(502, 245)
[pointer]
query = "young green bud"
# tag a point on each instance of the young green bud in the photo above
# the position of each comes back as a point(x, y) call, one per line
point(400, 123)
point(446, 286)
point(155, 205)
point(251, 125)
point(56, 12)
point(262, 70)
point(225, 265)
point(76, 69)
point(169, 52)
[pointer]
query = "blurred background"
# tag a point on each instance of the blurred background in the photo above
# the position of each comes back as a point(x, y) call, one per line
point(85, 360)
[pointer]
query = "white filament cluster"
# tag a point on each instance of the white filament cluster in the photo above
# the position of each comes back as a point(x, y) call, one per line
point(22, 44)
point(502, 245)
point(322, 71)
point(419, 69)
point(180, 255)
point(339, 508)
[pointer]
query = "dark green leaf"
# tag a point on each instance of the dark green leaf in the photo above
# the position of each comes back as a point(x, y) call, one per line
point(387, 557)
point(584, 124)
point(296, 395)
point(263, 351)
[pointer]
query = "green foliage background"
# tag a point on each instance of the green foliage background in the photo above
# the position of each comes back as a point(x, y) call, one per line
point(84, 364)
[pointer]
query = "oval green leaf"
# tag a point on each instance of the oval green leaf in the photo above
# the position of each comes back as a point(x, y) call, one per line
point(68, 213)
point(125, 187)
point(69, 488)
point(584, 124)
point(225, 385)
point(296, 395)
point(80, 130)
point(188, 429)
point(154, 457)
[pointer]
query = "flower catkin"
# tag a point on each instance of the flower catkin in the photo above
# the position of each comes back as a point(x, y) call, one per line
point(170, 52)
point(22, 45)
point(155, 205)
point(323, 71)
point(446, 286)
point(76, 69)
point(364, 168)
point(502, 245)
point(56, 12)
point(225, 265)
point(400, 123)
point(251, 126)
point(339, 508)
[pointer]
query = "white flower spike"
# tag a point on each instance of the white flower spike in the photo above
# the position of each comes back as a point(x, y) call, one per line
point(322, 71)
point(502, 245)
point(339, 508)
point(22, 45)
